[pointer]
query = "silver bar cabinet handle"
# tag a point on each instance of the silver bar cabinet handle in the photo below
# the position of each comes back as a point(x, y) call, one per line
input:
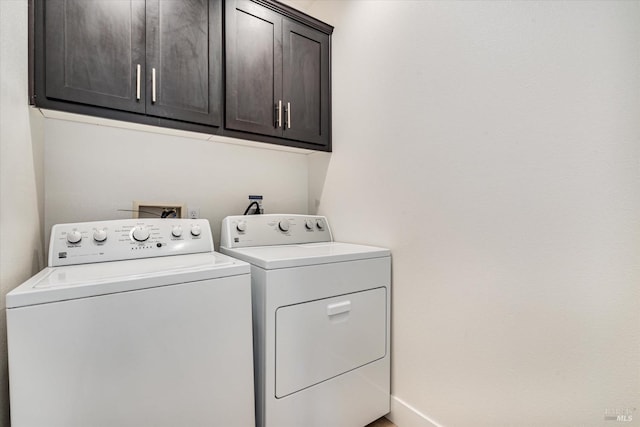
point(153, 85)
point(288, 115)
point(138, 83)
point(279, 122)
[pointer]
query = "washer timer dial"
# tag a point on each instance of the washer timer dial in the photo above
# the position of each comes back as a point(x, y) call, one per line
point(140, 234)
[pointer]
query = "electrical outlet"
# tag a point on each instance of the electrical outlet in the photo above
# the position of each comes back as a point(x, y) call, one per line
point(193, 213)
point(256, 199)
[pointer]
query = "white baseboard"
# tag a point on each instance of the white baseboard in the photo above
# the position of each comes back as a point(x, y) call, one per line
point(404, 415)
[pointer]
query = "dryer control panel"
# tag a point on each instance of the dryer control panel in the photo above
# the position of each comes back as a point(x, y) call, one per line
point(117, 240)
point(274, 229)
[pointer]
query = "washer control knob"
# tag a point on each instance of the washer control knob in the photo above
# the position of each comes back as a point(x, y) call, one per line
point(74, 236)
point(196, 230)
point(283, 225)
point(308, 224)
point(100, 235)
point(176, 231)
point(241, 226)
point(320, 224)
point(140, 234)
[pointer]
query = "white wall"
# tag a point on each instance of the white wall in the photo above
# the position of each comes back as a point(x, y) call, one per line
point(20, 173)
point(495, 148)
point(93, 171)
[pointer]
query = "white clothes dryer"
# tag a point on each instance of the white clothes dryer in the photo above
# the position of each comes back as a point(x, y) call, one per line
point(134, 323)
point(321, 313)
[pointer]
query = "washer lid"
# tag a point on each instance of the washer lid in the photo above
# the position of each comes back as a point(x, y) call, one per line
point(286, 256)
point(87, 280)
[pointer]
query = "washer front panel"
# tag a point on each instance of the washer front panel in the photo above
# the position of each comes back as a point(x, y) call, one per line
point(164, 357)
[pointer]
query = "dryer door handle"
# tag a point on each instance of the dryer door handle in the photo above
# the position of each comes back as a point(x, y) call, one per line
point(340, 307)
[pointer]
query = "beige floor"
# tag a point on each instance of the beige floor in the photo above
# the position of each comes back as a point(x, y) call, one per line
point(382, 422)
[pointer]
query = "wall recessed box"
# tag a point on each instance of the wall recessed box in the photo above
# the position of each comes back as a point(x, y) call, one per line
point(158, 210)
point(130, 68)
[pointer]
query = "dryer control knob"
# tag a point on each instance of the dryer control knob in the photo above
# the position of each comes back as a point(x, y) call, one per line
point(140, 234)
point(308, 224)
point(100, 235)
point(176, 231)
point(241, 226)
point(74, 236)
point(320, 224)
point(196, 230)
point(283, 225)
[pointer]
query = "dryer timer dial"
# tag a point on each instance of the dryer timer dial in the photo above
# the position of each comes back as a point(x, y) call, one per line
point(283, 225)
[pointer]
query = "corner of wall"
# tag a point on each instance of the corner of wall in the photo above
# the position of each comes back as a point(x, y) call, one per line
point(404, 415)
point(318, 165)
point(36, 121)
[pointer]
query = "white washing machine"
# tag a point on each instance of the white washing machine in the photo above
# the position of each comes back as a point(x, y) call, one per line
point(321, 321)
point(134, 323)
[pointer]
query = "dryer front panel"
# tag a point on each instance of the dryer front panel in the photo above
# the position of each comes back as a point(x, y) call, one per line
point(319, 340)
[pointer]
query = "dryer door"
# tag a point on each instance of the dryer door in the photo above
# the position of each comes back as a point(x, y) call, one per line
point(321, 339)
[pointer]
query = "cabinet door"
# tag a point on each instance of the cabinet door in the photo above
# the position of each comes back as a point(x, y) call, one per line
point(184, 60)
point(306, 84)
point(94, 51)
point(254, 68)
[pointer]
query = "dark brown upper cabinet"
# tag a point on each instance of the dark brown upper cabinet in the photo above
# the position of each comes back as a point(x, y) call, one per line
point(277, 73)
point(161, 58)
point(161, 63)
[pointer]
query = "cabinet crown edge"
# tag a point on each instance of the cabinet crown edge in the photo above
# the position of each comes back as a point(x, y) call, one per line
point(296, 15)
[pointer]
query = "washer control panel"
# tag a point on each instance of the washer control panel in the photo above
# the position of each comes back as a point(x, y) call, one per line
point(273, 229)
point(117, 240)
